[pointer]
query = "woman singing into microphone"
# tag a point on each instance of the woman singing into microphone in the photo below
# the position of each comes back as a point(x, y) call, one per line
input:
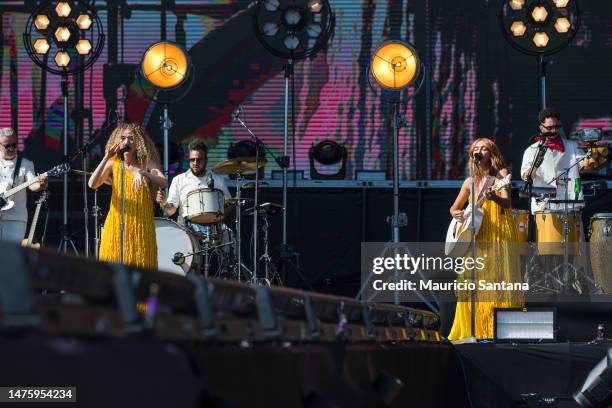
point(142, 178)
point(497, 231)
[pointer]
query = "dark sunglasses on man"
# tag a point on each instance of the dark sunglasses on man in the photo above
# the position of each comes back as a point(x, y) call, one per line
point(9, 145)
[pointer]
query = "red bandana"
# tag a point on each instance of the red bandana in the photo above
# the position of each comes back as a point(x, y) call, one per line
point(555, 144)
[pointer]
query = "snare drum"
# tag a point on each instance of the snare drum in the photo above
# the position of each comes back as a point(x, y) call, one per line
point(173, 238)
point(549, 232)
point(601, 249)
point(204, 206)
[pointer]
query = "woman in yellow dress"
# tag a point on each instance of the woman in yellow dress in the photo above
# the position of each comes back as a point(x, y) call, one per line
point(493, 242)
point(142, 178)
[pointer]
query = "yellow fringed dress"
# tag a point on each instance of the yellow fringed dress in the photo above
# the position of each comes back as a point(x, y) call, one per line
point(140, 242)
point(496, 237)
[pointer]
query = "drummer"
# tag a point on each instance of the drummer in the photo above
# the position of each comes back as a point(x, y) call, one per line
point(560, 154)
point(195, 178)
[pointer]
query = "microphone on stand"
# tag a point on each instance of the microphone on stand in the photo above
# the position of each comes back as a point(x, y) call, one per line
point(236, 114)
point(123, 151)
point(178, 258)
point(210, 181)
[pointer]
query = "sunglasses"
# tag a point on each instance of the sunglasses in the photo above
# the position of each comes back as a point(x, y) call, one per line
point(193, 160)
point(9, 146)
point(553, 127)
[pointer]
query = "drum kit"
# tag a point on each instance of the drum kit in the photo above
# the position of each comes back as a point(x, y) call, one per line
point(206, 244)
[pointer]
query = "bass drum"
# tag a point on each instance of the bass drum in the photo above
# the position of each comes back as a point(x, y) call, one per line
point(601, 250)
point(172, 238)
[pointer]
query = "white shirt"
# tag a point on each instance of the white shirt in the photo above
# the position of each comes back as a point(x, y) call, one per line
point(187, 182)
point(553, 164)
point(19, 212)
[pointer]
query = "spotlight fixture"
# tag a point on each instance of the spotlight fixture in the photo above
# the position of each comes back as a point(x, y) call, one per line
point(41, 22)
point(63, 29)
point(41, 45)
point(518, 28)
point(62, 59)
point(596, 392)
point(328, 153)
point(64, 38)
point(293, 29)
point(540, 28)
point(395, 65)
point(166, 66)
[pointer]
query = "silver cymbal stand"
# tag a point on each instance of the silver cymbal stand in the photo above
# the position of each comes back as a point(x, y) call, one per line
point(239, 265)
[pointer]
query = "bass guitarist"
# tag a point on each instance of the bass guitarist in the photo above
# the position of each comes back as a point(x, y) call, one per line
point(15, 170)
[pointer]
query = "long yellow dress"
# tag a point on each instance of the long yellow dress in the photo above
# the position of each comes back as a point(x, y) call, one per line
point(496, 237)
point(140, 242)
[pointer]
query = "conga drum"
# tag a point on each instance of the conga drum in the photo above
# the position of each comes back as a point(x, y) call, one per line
point(601, 249)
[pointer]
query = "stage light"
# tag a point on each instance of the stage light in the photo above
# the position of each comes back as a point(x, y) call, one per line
point(271, 5)
point(596, 392)
point(562, 25)
point(313, 30)
point(83, 47)
point(517, 4)
point(56, 22)
point(541, 39)
point(165, 65)
point(84, 21)
point(539, 14)
point(315, 6)
point(518, 28)
point(395, 65)
point(41, 45)
point(42, 22)
point(62, 34)
point(270, 29)
point(291, 42)
point(540, 28)
point(62, 59)
point(328, 153)
point(292, 17)
point(63, 9)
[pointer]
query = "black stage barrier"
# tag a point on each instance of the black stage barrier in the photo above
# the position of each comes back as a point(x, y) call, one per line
point(128, 337)
point(499, 373)
point(146, 372)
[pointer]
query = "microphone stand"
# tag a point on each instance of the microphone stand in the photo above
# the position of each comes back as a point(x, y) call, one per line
point(473, 244)
point(122, 155)
point(283, 164)
point(528, 186)
point(258, 142)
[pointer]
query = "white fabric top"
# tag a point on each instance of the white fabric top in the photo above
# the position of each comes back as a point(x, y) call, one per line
point(19, 212)
point(553, 164)
point(187, 182)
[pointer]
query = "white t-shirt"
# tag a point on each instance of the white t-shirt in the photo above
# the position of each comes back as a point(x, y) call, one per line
point(187, 182)
point(19, 212)
point(554, 163)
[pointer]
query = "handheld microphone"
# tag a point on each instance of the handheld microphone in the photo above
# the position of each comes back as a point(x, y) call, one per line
point(123, 150)
point(477, 156)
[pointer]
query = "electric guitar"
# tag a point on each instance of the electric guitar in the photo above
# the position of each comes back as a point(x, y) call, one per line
point(459, 233)
point(28, 242)
point(6, 203)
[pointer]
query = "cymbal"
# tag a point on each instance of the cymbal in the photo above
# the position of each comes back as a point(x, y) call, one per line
point(81, 172)
point(238, 165)
point(108, 182)
point(233, 200)
point(269, 208)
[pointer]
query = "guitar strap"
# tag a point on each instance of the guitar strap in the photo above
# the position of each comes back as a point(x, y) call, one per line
point(488, 183)
point(16, 171)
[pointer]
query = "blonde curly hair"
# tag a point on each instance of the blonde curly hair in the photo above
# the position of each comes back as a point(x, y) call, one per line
point(497, 159)
point(145, 148)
